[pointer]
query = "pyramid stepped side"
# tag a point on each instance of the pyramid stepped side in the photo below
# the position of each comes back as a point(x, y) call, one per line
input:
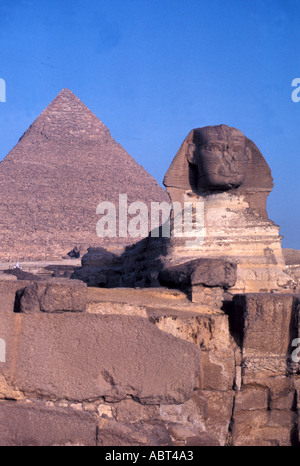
point(66, 118)
point(54, 178)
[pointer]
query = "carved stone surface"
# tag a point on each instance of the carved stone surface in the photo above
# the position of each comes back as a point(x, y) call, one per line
point(56, 295)
point(221, 170)
point(184, 374)
point(117, 434)
point(220, 155)
point(220, 158)
point(84, 356)
point(265, 322)
point(207, 272)
point(36, 424)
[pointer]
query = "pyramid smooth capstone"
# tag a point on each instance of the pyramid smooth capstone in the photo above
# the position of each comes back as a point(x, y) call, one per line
point(52, 181)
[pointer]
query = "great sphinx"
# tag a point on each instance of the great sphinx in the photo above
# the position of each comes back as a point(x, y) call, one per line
point(220, 167)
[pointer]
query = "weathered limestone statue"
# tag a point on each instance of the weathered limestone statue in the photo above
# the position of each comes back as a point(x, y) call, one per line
point(235, 246)
point(221, 168)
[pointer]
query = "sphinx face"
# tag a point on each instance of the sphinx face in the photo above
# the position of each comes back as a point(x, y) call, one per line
point(220, 154)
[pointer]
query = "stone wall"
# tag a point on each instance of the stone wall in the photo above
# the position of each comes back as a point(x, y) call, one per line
point(125, 367)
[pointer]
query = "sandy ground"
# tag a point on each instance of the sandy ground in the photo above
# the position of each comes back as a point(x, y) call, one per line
point(40, 264)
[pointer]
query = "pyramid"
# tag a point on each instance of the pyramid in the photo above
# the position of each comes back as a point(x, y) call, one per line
point(51, 182)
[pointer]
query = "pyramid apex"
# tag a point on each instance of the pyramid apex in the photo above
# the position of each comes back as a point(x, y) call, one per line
point(66, 91)
point(67, 94)
point(67, 117)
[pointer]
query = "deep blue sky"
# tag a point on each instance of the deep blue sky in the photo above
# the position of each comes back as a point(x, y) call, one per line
point(152, 70)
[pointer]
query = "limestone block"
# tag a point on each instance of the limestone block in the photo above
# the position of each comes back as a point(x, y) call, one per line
point(282, 393)
point(131, 411)
point(208, 411)
point(213, 297)
point(57, 295)
point(35, 424)
point(97, 257)
point(257, 369)
point(251, 399)
point(119, 434)
point(8, 291)
point(217, 371)
point(263, 321)
point(207, 272)
point(84, 357)
point(202, 439)
point(209, 331)
point(262, 428)
point(269, 392)
point(190, 436)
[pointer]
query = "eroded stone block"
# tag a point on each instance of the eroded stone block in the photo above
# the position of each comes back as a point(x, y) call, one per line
point(34, 424)
point(57, 295)
point(206, 272)
point(263, 322)
point(208, 411)
point(83, 357)
point(263, 428)
point(118, 434)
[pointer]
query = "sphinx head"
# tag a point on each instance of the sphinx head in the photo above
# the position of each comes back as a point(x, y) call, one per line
point(220, 155)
